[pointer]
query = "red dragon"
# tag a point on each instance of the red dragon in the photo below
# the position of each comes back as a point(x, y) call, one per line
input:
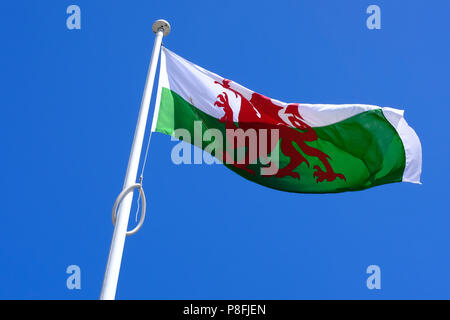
point(261, 113)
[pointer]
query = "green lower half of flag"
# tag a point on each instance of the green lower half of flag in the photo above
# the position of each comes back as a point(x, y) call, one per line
point(361, 152)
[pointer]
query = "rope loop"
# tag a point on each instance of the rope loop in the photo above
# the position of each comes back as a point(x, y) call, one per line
point(119, 200)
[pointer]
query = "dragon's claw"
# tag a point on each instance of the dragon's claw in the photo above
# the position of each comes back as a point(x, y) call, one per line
point(321, 175)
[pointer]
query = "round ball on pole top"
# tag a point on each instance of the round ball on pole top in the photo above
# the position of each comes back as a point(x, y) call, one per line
point(161, 24)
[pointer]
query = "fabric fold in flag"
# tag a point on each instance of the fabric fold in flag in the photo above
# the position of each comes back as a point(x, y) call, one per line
point(295, 147)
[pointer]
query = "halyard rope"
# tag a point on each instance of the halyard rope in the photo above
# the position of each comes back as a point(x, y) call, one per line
point(141, 177)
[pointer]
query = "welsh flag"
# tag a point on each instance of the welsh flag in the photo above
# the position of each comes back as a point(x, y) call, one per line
point(296, 147)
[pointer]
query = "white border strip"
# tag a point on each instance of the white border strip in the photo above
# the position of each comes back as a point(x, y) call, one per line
point(163, 81)
point(411, 143)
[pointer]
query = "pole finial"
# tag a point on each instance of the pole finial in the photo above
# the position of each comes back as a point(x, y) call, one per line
point(161, 24)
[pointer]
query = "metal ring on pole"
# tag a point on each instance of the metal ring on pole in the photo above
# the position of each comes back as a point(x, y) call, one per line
point(119, 200)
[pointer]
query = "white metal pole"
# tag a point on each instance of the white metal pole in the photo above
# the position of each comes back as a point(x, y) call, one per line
point(161, 28)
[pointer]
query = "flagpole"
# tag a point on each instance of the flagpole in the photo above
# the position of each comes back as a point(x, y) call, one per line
point(161, 28)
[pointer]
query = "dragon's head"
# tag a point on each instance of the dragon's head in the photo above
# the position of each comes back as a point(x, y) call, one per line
point(294, 116)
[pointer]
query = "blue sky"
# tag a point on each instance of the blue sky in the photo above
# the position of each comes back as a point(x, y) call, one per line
point(70, 100)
